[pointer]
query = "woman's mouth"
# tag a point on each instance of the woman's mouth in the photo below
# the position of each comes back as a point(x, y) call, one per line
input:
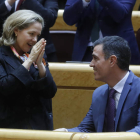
point(30, 45)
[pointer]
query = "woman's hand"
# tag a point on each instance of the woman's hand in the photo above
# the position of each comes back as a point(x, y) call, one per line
point(36, 50)
point(40, 56)
point(36, 55)
point(40, 65)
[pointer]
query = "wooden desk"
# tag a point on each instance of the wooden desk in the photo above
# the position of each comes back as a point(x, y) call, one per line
point(17, 134)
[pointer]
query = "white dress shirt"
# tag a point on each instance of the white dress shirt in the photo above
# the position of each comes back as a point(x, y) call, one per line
point(119, 87)
point(9, 7)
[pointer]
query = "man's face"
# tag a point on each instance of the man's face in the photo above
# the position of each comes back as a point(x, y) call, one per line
point(100, 66)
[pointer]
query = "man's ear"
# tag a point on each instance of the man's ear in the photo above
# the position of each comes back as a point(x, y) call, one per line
point(113, 60)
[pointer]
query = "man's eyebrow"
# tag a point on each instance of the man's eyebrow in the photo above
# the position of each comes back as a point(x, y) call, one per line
point(95, 56)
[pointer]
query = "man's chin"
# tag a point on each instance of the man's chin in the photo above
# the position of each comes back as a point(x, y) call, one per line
point(96, 78)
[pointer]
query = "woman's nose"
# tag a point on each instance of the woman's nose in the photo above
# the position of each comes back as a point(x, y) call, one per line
point(35, 38)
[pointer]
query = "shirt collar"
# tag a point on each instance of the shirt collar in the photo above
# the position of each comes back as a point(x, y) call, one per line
point(119, 86)
point(16, 3)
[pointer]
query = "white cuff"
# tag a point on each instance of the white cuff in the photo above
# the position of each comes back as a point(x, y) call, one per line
point(9, 7)
point(85, 4)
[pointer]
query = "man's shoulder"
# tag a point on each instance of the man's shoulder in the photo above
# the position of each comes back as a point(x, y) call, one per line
point(136, 81)
point(101, 89)
point(105, 86)
point(133, 81)
point(133, 78)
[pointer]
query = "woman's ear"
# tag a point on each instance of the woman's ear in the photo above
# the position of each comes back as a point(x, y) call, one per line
point(113, 60)
point(16, 32)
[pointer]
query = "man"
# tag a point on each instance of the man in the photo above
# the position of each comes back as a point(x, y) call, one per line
point(113, 17)
point(61, 4)
point(121, 112)
point(46, 8)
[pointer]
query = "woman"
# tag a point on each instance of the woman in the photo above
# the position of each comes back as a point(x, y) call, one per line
point(46, 8)
point(24, 78)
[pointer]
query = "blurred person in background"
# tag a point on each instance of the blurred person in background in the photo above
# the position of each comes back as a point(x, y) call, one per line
point(99, 18)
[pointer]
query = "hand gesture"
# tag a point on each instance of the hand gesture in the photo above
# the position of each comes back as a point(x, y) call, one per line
point(40, 56)
point(36, 50)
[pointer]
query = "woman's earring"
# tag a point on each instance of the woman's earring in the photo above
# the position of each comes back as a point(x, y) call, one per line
point(15, 34)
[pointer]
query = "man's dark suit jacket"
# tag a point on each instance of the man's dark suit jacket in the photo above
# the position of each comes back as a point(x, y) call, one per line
point(128, 111)
point(21, 94)
point(114, 18)
point(46, 8)
point(61, 4)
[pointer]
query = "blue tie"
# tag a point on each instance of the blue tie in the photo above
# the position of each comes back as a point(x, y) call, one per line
point(110, 112)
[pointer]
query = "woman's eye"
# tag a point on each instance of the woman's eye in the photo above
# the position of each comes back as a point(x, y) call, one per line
point(31, 33)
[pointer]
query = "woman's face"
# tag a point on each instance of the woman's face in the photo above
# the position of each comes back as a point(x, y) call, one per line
point(27, 38)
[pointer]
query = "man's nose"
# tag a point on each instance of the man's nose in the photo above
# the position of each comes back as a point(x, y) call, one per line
point(91, 64)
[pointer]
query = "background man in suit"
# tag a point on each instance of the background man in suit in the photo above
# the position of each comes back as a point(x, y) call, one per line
point(61, 4)
point(116, 105)
point(111, 17)
point(46, 8)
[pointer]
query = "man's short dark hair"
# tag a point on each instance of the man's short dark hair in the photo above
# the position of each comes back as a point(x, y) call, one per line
point(115, 45)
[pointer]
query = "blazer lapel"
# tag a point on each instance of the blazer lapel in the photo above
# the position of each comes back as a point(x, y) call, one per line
point(101, 114)
point(10, 58)
point(126, 90)
point(100, 8)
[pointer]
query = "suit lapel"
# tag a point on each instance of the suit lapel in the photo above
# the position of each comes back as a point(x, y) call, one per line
point(10, 58)
point(101, 114)
point(13, 8)
point(126, 90)
point(100, 8)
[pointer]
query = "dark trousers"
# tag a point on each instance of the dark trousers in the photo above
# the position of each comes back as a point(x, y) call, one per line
point(88, 55)
point(51, 57)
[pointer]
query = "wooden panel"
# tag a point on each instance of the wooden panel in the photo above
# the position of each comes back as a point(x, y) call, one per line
point(137, 4)
point(75, 79)
point(136, 20)
point(15, 134)
point(61, 25)
point(106, 136)
point(73, 75)
point(78, 75)
point(18, 134)
point(70, 106)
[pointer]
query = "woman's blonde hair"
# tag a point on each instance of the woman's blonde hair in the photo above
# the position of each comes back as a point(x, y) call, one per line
point(18, 20)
